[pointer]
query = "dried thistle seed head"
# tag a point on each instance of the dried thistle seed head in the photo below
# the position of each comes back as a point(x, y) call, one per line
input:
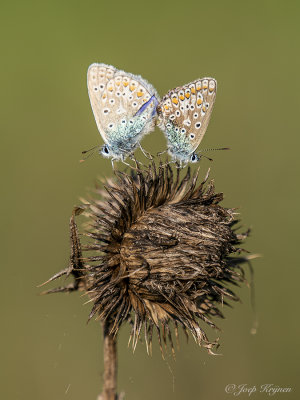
point(159, 251)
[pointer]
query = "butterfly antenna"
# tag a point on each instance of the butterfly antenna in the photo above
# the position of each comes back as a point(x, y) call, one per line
point(220, 148)
point(88, 153)
point(210, 159)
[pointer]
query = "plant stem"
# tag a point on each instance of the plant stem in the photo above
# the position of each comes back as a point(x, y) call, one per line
point(109, 391)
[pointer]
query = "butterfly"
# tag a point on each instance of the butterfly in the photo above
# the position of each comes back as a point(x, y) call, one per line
point(183, 116)
point(124, 107)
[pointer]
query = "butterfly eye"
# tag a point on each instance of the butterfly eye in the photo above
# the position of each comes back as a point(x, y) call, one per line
point(123, 121)
point(172, 117)
point(105, 150)
point(194, 158)
point(95, 89)
point(168, 126)
point(192, 136)
point(178, 113)
point(111, 126)
point(101, 87)
point(106, 111)
point(183, 130)
point(198, 125)
point(112, 101)
point(131, 121)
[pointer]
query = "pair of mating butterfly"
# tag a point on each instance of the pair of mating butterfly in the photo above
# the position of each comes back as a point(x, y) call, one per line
point(126, 107)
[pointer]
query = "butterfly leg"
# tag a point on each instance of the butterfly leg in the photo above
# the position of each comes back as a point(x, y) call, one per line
point(131, 156)
point(137, 163)
point(168, 163)
point(161, 152)
point(146, 153)
point(128, 165)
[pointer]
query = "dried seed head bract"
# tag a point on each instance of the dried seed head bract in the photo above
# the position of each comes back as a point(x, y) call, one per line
point(158, 250)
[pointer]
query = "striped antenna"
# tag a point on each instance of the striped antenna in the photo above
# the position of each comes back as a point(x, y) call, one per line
point(88, 153)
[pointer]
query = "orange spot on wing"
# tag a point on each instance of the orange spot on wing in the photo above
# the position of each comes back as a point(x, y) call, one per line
point(187, 95)
point(193, 90)
point(199, 101)
point(110, 88)
point(131, 88)
point(125, 83)
point(175, 101)
point(181, 97)
point(203, 108)
point(166, 107)
point(139, 94)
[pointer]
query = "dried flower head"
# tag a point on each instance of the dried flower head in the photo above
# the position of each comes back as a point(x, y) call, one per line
point(159, 250)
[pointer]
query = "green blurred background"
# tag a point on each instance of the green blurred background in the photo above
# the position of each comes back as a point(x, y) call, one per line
point(252, 49)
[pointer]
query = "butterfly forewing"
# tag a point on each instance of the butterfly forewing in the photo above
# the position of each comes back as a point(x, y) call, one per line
point(97, 79)
point(184, 114)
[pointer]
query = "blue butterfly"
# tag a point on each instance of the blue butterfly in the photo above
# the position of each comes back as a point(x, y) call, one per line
point(124, 107)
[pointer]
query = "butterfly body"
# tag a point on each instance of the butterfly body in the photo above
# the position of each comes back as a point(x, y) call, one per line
point(124, 107)
point(184, 114)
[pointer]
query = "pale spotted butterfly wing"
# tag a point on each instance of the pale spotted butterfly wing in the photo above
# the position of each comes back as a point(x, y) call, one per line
point(124, 107)
point(184, 114)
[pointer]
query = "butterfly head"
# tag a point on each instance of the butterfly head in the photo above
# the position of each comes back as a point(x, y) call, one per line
point(117, 151)
point(105, 151)
point(183, 157)
point(194, 158)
